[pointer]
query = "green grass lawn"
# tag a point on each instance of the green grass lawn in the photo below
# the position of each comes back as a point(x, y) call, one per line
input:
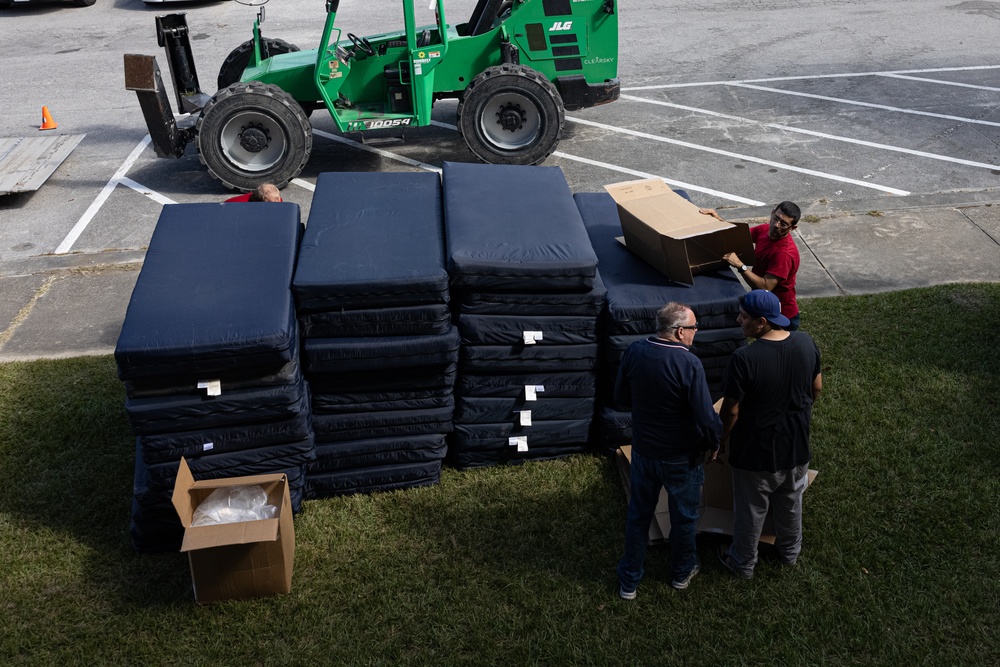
point(515, 565)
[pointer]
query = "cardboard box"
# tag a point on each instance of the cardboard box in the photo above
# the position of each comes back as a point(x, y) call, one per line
point(237, 560)
point(716, 508)
point(669, 233)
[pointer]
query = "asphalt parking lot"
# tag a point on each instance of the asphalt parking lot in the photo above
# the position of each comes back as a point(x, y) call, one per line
point(881, 121)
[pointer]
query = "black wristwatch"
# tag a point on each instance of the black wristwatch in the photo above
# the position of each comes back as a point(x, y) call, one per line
point(744, 268)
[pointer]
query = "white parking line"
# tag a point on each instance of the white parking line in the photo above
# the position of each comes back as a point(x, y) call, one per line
point(640, 174)
point(95, 206)
point(813, 133)
point(747, 158)
point(668, 181)
point(842, 75)
point(142, 189)
point(941, 82)
point(868, 105)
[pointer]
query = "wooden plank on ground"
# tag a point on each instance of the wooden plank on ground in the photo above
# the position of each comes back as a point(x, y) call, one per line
point(27, 162)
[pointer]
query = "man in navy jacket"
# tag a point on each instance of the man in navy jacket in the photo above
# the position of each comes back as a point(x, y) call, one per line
point(673, 426)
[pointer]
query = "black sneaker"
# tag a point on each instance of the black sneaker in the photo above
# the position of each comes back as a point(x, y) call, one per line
point(682, 582)
point(727, 562)
point(626, 595)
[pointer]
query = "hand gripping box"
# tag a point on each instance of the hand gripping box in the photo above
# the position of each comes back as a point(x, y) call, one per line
point(669, 233)
point(242, 560)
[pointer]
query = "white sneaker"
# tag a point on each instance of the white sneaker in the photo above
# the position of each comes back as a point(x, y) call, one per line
point(682, 583)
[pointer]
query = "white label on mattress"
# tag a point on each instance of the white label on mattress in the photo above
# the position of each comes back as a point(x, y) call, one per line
point(531, 337)
point(208, 446)
point(529, 393)
point(211, 387)
point(525, 419)
point(519, 441)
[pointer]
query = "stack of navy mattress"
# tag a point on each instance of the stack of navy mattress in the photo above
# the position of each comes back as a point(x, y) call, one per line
point(209, 356)
point(636, 291)
point(379, 347)
point(527, 297)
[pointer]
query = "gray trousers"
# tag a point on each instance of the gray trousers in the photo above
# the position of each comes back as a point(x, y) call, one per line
point(753, 492)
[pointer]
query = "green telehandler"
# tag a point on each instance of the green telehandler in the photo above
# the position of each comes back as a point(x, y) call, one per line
point(515, 66)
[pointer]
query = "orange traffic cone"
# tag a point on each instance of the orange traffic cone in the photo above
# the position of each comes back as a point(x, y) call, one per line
point(47, 122)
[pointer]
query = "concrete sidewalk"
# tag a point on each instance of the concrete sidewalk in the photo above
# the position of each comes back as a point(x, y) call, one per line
point(71, 305)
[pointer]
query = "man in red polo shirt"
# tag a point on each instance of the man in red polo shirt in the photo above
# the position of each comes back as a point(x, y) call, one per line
point(777, 258)
point(265, 192)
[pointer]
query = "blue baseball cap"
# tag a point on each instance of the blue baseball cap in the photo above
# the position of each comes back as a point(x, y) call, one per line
point(762, 303)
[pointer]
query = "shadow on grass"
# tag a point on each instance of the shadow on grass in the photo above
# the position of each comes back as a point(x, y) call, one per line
point(68, 452)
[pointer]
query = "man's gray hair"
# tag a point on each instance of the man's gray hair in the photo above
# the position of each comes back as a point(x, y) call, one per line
point(672, 315)
point(265, 192)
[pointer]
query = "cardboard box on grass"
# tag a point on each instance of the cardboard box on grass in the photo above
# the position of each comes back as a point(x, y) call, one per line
point(669, 233)
point(234, 561)
point(716, 508)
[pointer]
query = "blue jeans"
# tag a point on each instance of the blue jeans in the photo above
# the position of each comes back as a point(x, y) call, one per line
point(683, 484)
point(793, 323)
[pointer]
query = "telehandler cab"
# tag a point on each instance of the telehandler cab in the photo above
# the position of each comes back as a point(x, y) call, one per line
point(515, 67)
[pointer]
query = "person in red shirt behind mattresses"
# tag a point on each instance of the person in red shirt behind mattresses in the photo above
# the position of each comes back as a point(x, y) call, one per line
point(265, 192)
point(777, 258)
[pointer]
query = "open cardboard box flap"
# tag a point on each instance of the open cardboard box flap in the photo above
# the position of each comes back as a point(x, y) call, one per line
point(188, 494)
point(668, 232)
point(236, 560)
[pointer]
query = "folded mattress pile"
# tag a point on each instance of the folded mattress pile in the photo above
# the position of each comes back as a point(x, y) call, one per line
point(635, 292)
point(209, 356)
point(526, 297)
point(379, 348)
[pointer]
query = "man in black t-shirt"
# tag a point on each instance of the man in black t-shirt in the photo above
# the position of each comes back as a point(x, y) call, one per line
point(769, 392)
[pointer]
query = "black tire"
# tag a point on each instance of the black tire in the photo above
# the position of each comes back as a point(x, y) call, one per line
point(237, 61)
point(83, 3)
point(511, 114)
point(253, 133)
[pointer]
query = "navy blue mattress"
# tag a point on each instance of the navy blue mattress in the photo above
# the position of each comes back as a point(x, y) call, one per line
point(476, 410)
point(362, 425)
point(707, 343)
point(154, 482)
point(372, 238)
point(328, 423)
point(428, 379)
point(378, 452)
point(511, 329)
point(398, 321)
point(580, 304)
point(548, 433)
point(373, 479)
point(231, 380)
point(539, 358)
point(514, 228)
point(616, 425)
point(548, 385)
point(170, 447)
point(164, 414)
point(343, 355)
point(491, 453)
point(213, 293)
point(636, 290)
point(334, 404)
